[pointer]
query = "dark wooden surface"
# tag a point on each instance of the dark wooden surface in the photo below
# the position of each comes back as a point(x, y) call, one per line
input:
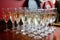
point(9, 35)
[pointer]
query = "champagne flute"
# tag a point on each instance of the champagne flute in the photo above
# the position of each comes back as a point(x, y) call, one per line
point(6, 17)
point(53, 18)
point(12, 17)
point(24, 20)
point(31, 34)
point(18, 17)
point(38, 31)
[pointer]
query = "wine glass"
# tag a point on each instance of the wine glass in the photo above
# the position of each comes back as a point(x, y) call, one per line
point(19, 16)
point(12, 17)
point(32, 25)
point(24, 20)
point(43, 24)
point(17, 19)
point(52, 20)
point(6, 17)
point(38, 31)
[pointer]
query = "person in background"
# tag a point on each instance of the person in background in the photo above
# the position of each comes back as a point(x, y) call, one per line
point(32, 4)
point(47, 5)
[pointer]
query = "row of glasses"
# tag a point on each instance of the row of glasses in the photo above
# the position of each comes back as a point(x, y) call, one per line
point(36, 23)
point(14, 14)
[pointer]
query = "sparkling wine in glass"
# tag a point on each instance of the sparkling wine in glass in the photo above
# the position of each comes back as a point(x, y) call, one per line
point(17, 19)
point(6, 17)
point(12, 17)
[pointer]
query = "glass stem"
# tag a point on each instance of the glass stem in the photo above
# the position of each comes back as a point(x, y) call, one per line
point(51, 24)
point(18, 27)
point(13, 26)
point(6, 26)
point(24, 27)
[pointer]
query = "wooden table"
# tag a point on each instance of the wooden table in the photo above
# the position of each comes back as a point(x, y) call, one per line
point(26, 37)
